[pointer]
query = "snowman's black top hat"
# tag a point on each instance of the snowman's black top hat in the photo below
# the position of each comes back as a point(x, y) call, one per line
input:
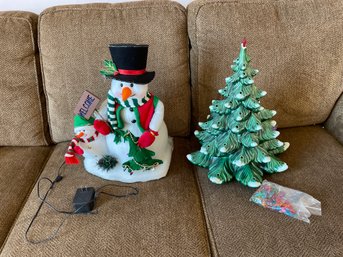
point(130, 61)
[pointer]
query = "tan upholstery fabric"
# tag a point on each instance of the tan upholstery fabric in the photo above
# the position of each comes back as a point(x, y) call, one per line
point(335, 122)
point(20, 166)
point(21, 115)
point(74, 42)
point(241, 228)
point(296, 45)
point(164, 219)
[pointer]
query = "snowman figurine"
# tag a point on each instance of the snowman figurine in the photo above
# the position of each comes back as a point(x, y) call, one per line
point(132, 119)
point(91, 145)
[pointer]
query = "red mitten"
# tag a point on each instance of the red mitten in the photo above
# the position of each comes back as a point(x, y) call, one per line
point(78, 150)
point(102, 127)
point(71, 160)
point(146, 139)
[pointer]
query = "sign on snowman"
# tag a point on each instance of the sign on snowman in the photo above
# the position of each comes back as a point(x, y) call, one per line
point(131, 121)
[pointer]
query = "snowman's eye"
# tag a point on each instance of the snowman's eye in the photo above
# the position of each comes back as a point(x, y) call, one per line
point(121, 85)
point(131, 85)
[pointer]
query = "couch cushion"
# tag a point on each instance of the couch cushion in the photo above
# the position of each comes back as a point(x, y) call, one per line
point(74, 42)
point(20, 167)
point(238, 227)
point(296, 45)
point(164, 219)
point(21, 116)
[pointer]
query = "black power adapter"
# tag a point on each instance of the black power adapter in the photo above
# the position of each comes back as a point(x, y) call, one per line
point(84, 200)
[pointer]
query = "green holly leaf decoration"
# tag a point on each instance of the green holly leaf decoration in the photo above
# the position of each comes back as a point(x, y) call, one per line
point(111, 68)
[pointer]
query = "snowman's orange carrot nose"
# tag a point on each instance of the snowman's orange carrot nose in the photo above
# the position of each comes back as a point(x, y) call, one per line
point(79, 135)
point(126, 93)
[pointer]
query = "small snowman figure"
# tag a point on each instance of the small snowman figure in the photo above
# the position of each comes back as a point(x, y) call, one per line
point(132, 118)
point(91, 145)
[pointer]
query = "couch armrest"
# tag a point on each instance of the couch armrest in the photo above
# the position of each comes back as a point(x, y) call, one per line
point(334, 124)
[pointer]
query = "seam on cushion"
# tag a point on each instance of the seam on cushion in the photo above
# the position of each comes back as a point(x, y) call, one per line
point(44, 13)
point(43, 82)
point(197, 95)
point(203, 210)
point(211, 242)
point(38, 87)
point(188, 131)
point(29, 192)
point(42, 97)
point(35, 71)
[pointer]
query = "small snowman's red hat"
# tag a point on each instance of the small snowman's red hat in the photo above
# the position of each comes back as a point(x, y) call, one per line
point(128, 64)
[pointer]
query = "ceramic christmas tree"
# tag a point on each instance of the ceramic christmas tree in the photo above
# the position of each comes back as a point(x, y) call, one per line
point(132, 119)
point(239, 137)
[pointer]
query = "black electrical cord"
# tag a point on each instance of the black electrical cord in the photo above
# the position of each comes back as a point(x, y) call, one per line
point(43, 199)
point(135, 192)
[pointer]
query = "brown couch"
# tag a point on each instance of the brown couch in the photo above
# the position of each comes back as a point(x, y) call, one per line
point(47, 61)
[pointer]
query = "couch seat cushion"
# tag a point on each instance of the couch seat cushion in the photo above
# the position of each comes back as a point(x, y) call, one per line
point(238, 227)
point(164, 219)
point(20, 167)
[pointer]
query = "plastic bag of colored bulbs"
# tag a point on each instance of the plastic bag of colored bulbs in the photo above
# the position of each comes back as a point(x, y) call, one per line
point(285, 200)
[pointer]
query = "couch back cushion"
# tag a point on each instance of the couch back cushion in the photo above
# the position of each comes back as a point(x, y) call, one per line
point(21, 116)
point(296, 45)
point(74, 43)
